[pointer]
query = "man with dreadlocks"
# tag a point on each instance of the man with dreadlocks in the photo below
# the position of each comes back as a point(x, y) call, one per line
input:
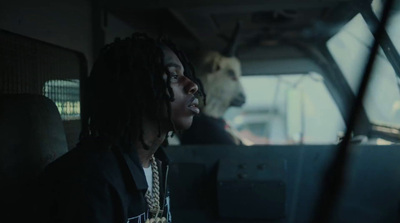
point(139, 90)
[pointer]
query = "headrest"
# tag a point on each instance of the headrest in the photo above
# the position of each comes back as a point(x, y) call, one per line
point(31, 136)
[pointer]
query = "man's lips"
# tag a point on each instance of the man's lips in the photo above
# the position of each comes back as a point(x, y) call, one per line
point(194, 105)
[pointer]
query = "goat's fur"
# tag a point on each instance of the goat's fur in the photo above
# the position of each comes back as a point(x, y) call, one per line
point(220, 76)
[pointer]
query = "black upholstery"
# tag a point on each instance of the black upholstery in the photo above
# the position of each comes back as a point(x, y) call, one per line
point(31, 136)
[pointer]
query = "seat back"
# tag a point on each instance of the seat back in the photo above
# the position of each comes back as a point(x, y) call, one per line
point(31, 136)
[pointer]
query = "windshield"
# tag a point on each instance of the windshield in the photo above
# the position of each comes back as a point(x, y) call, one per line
point(287, 109)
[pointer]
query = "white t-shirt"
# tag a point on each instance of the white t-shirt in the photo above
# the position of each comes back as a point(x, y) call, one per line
point(149, 178)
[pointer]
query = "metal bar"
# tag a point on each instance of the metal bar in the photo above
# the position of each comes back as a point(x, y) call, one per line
point(385, 41)
point(83, 76)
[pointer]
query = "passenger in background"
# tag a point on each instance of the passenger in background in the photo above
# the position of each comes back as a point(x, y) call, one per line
point(220, 75)
point(139, 90)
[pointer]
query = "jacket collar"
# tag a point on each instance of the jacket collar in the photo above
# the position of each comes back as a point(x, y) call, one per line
point(135, 169)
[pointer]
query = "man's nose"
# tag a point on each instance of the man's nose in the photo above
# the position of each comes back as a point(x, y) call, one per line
point(191, 87)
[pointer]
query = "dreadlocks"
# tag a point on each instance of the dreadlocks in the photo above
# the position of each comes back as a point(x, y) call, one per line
point(126, 83)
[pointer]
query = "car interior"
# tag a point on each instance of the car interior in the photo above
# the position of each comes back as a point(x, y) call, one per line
point(320, 142)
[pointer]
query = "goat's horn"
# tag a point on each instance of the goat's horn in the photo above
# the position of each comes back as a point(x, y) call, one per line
point(233, 42)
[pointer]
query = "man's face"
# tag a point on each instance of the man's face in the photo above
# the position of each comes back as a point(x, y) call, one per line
point(185, 105)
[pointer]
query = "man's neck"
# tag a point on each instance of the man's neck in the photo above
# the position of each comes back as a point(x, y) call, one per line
point(146, 154)
point(152, 139)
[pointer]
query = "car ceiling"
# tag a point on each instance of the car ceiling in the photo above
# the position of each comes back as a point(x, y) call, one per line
point(210, 23)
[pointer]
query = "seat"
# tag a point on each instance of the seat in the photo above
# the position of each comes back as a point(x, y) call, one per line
point(31, 136)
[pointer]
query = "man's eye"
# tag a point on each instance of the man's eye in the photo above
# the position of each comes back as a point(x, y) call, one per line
point(174, 76)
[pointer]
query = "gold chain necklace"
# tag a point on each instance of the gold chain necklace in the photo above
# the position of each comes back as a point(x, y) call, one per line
point(153, 199)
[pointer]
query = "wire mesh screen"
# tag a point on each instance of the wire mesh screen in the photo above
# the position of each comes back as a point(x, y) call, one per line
point(65, 94)
point(34, 67)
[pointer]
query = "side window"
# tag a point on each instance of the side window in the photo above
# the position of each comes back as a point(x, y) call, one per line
point(287, 109)
point(350, 48)
point(65, 94)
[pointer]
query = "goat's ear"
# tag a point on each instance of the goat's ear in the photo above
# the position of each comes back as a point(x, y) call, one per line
point(216, 65)
point(209, 63)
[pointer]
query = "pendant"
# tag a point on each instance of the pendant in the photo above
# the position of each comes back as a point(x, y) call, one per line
point(157, 220)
